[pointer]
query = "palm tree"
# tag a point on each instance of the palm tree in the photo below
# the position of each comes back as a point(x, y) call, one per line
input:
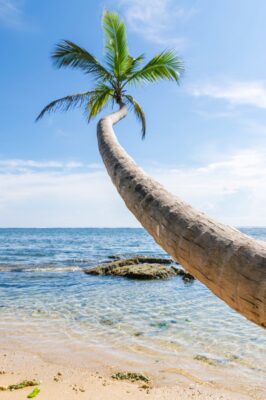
point(231, 264)
point(120, 70)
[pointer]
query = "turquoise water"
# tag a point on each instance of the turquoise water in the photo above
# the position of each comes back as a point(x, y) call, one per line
point(46, 302)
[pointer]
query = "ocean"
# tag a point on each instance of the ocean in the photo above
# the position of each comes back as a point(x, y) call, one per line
point(49, 306)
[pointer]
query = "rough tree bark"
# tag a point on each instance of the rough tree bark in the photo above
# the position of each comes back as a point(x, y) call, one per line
point(232, 265)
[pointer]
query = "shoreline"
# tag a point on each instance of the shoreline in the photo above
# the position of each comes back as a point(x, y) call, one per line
point(59, 380)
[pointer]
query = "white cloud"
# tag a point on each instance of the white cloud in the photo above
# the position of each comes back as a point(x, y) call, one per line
point(251, 93)
point(10, 12)
point(231, 190)
point(157, 20)
point(59, 198)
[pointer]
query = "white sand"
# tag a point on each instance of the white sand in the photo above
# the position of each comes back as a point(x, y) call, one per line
point(88, 384)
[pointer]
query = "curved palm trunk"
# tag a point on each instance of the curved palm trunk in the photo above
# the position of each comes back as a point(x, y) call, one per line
point(231, 264)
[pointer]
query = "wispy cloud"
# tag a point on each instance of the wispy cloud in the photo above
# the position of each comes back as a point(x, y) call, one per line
point(18, 165)
point(252, 93)
point(53, 193)
point(210, 114)
point(157, 20)
point(10, 12)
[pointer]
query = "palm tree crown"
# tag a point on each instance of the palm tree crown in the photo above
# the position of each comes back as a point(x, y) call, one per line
point(111, 79)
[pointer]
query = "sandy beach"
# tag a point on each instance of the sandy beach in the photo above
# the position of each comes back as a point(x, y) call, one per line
point(59, 381)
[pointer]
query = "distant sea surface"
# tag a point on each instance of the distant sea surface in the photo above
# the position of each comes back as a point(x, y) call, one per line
point(47, 304)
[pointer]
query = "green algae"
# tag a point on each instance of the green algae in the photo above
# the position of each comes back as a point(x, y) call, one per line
point(20, 385)
point(160, 325)
point(131, 376)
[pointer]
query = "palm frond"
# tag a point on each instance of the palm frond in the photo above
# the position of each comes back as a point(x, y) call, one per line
point(116, 50)
point(132, 65)
point(65, 103)
point(138, 112)
point(98, 100)
point(68, 54)
point(165, 65)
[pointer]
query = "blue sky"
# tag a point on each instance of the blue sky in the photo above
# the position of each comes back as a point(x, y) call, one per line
point(206, 139)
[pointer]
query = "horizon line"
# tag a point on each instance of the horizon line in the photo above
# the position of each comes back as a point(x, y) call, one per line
point(110, 227)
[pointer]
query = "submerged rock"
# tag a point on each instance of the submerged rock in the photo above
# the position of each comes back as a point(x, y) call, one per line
point(209, 360)
point(140, 268)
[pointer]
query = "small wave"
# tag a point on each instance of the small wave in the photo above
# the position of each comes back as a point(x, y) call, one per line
point(54, 269)
point(51, 269)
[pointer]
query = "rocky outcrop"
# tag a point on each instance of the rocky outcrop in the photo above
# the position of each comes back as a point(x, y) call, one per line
point(141, 260)
point(140, 268)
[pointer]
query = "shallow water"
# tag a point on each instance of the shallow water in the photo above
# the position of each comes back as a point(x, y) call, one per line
point(46, 302)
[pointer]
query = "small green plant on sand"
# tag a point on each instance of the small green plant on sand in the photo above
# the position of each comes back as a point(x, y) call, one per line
point(34, 393)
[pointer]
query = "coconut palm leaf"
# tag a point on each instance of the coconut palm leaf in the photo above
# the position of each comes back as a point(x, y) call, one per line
point(138, 112)
point(165, 65)
point(68, 54)
point(132, 65)
point(65, 103)
point(98, 100)
point(116, 50)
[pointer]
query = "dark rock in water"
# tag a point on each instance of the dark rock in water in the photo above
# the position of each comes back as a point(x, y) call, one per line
point(115, 258)
point(185, 275)
point(139, 268)
point(135, 271)
point(151, 260)
point(141, 260)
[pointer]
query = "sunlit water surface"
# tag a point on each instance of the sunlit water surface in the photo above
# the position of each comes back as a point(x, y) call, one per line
point(47, 303)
